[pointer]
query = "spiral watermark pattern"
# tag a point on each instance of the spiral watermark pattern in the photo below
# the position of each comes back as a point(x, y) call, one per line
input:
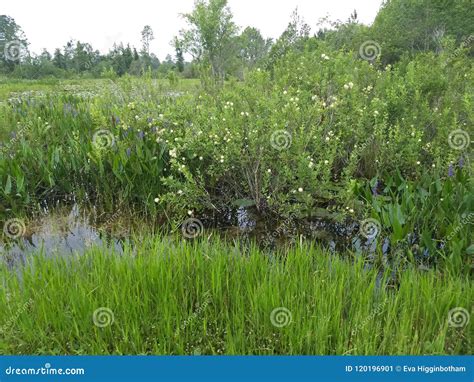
point(192, 228)
point(14, 228)
point(281, 317)
point(103, 139)
point(14, 50)
point(370, 50)
point(370, 228)
point(458, 317)
point(281, 140)
point(459, 139)
point(103, 317)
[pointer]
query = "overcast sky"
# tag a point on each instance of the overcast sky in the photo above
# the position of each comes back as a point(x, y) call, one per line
point(51, 23)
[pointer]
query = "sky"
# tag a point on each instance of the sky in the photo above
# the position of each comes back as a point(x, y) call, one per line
point(51, 23)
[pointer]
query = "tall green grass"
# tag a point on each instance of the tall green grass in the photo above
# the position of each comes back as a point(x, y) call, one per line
point(171, 297)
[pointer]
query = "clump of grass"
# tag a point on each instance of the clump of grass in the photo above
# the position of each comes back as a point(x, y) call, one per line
point(176, 297)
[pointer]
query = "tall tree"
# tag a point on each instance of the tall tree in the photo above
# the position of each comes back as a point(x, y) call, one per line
point(253, 47)
point(147, 38)
point(13, 43)
point(179, 54)
point(211, 33)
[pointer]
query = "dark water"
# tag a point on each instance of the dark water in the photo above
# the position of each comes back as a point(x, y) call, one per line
point(67, 231)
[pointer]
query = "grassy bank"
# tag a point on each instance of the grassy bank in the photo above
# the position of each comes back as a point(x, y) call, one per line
point(171, 297)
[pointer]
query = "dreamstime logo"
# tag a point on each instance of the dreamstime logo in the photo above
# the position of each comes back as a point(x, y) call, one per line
point(459, 139)
point(370, 228)
point(192, 228)
point(103, 139)
point(280, 317)
point(193, 317)
point(458, 317)
point(103, 317)
point(14, 228)
point(14, 50)
point(281, 140)
point(379, 308)
point(370, 50)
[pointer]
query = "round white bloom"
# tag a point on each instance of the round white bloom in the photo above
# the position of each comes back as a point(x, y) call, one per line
point(157, 200)
point(300, 189)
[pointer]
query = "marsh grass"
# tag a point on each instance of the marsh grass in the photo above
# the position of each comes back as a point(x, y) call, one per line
point(200, 297)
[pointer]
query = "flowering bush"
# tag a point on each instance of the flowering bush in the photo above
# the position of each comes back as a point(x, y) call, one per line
point(291, 141)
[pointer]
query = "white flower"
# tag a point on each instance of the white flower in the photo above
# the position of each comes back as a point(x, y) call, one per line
point(346, 86)
point(326, 162)
point(418, 162)
point(351, 211)
point(269, 171)
point(173, 153)
point(376, 113)
point(157, 200)
point(433, 165)
point(190, 212)
point(180, 192)
point(201, 158)
point(285, 92)
point(300, 189)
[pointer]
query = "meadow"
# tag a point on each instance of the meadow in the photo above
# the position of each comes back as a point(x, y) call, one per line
point(322, 137)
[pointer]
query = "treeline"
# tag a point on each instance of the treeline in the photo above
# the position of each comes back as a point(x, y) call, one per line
point(220, 48)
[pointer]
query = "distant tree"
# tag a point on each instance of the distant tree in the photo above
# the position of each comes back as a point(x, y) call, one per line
point(419, 25)
point(59, 60)
point(253, 47)
point(211, 33)
point(147, 38)
point(294, 37)
point(13, 44)
point(179, 54)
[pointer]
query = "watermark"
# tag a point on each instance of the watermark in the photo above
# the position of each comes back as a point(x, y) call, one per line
point(5, 327)
point(469, 219)
point(14, 228)
point(458, 317)
point(370, 228)
point(15, 50)
point(103, 317)
point(197, 313)
point(103, 139)
point(192, 228)
point(459, 139)
point(378, 309)
point(370, 50)
point(281, 317)
point(46, 370)
point(281, 140)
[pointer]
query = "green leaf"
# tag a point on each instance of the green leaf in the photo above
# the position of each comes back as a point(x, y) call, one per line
point(470, 250)
point(8, 185)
